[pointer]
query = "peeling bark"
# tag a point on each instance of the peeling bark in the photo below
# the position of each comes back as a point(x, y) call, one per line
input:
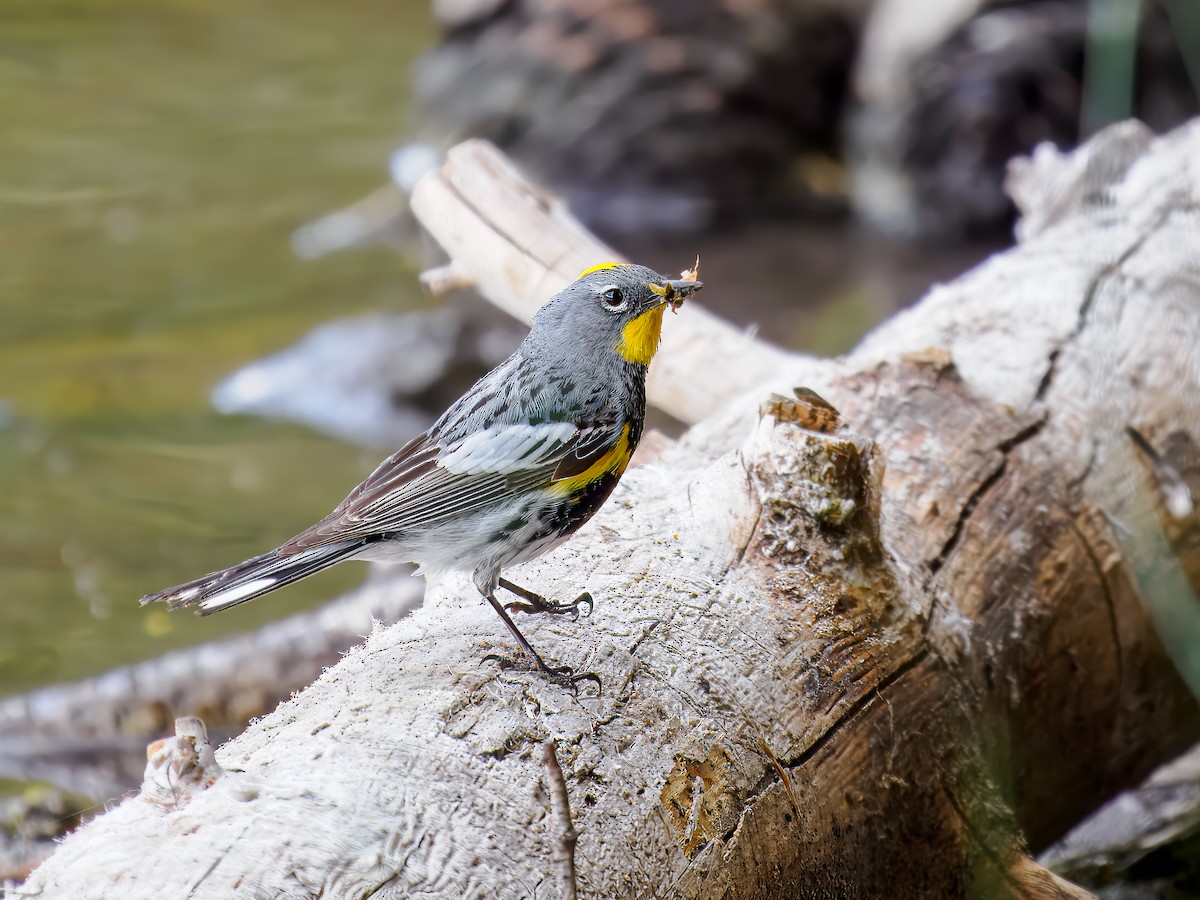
point(886, 656)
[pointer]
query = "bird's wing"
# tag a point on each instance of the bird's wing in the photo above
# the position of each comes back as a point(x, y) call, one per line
point(428, 481)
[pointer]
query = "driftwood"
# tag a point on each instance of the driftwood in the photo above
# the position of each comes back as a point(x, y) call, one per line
point(89, 736)
point(1144, 835)
point(882, 653)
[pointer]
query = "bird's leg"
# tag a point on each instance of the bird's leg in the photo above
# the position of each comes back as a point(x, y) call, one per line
point(536, 603)
point(559, 674)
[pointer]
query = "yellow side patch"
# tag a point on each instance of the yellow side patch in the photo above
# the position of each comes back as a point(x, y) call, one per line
point(639, 338)
point(615, 460)
point(601, 267)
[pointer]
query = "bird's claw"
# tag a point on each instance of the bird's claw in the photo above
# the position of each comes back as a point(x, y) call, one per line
point(549, 607)
point(560, 675)
point(573, 682)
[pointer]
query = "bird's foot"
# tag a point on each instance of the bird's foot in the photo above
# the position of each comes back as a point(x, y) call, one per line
point(550, 607)
point(536, 603)
point(561, 675)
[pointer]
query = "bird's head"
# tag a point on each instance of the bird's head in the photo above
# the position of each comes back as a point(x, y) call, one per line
point(616, 306)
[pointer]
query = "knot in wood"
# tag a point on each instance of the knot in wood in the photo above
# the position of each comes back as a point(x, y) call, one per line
point(700, 800)
point(804, 464)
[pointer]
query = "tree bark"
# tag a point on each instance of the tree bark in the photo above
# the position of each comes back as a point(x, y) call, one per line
point(884, 653)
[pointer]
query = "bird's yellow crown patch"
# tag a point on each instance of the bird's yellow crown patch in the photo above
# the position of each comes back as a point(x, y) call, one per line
point(600, 267)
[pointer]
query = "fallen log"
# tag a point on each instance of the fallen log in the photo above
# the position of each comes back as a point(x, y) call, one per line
point(89, 736)
point(888, 648)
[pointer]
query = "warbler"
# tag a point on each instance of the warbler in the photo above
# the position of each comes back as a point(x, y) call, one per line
point(512, 469)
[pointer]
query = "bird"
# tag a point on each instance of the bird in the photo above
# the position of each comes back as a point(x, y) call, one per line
point(508, 472)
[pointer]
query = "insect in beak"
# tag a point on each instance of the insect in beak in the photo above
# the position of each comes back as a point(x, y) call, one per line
point(675, 290)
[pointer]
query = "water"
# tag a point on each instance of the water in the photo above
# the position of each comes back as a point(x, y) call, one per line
point(154, 159)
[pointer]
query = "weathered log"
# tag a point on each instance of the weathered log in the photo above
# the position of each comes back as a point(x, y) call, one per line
point(89, 736)
point(887, 654)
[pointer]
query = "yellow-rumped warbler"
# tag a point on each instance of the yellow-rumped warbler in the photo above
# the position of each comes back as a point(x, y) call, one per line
point(509, 471)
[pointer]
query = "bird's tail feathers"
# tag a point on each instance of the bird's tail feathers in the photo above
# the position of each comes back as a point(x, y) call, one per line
point(252, 578)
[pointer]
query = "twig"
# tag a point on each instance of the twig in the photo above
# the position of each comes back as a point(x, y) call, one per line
point(447, 278)
point(564, 853)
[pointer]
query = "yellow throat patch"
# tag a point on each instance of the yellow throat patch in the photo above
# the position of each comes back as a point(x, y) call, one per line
point(639, 338)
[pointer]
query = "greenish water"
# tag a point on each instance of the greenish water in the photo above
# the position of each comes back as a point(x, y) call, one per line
point(154, 159)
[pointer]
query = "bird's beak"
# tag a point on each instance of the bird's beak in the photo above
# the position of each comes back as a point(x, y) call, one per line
point(676, 290)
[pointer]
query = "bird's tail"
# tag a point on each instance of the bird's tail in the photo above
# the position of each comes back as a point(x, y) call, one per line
point(252, 578)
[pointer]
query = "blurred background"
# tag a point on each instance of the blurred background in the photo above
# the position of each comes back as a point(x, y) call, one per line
point(168, 172)
point(154, 160)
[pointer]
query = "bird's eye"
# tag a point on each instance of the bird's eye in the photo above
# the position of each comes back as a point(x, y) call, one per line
point(613, 298)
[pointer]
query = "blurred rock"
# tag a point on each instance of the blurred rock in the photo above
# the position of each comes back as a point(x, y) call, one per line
point(947, 100)
point(31, 823)
point(668, 117)
point(647, 114)
point(376, 379)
